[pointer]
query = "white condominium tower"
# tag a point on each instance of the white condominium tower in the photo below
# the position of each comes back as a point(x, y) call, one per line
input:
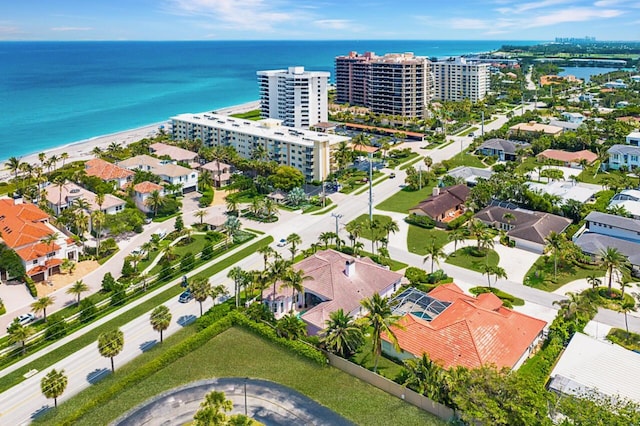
point(295, 96)
point(457, 79)
point(398, 84)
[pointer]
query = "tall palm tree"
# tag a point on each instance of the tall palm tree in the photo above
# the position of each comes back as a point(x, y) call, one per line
point(19, 333)
point(53, 385)
point(381, 319)
point(354, 229)
point(554, 244)
point(200, 214)
point(277, 270)
point(325, 238)
point(160, 319)
point(231, 227)
point(110, 344)
point(612, 260)
point(13, 164)
point(435, 253)
point(237, 274)
point(155, 201)
point(266, 251)
point(201, 289)
point(232, 205)
point(64, 157)
point(205, 179)
point(97, 219)
point(478, 230)
point(41, 305)
point(295, 279)
point(293, 240)
point(390, 227)
point(342, 335)
point(425, 377)
point(594, 281)
point(457, 235)
point(77, 289)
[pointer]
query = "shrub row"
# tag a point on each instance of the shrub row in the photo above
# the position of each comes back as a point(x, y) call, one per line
point(31, 286)
point(460, 220)
point(508, 299)
point(214, 314)
point(421, 221)
point(297, 346)
point(207, 198)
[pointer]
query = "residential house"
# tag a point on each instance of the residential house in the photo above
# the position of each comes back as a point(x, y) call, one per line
point(455, 329)
point(567, 126)
point(617, 84)
point(444, 205)
point(588, 365)
point(593, 244)
point(567, 190)
point(470, 175)
point(176, 153)
point(505, 150)
point(142, 191)
point(623, 156)
point(220, 172)
point(23, 227)
point(633, 139)
point(60, 198)
point(567, 158)
point(166, 170)
point(108, 172)
point(613, 225)
point(336, 281)
point(527, 229)
point(629, 199)
point(573, 117)
point(533, 127)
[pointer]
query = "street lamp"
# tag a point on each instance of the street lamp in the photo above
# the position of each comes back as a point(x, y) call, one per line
point(337, 217)
point(245, 396)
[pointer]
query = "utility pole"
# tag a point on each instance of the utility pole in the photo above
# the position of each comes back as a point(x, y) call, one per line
point(370, 188)
point(337, 217)
point(420, 176)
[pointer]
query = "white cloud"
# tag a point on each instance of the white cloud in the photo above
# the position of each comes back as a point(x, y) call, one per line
point(9, 29)
point(525, 7)
point(258, 15)
point(577, 14)
point(470, 24)
point(71, 29)
point(335, 24)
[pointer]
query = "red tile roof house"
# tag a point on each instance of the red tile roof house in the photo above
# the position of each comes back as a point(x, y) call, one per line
point(23, 227)
point(108, 172)
point(469, 332)
point(142, 191)
point(339, 281)
point(174, 152)
point(567, 158)
point(221, 172)
point(444, 205)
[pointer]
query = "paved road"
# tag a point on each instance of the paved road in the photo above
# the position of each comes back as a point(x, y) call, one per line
point(267, 402)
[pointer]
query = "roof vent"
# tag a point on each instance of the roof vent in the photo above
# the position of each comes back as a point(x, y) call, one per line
point(350, 267)
point(74, 191)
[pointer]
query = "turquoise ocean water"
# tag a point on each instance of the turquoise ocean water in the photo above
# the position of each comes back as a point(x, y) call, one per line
point(56, 93)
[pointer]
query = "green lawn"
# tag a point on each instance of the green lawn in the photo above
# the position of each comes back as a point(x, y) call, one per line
point(386, 367)
point(404, 199)
point(629, 340)
point(369, 233)
point(396, 161)
point(465, 159)
point(233, 354)
point(410, 163)
point(471, 258)
point(356, 179)
point(365, 188)
point(540, 275)
point(419, 238)
point(249, 115)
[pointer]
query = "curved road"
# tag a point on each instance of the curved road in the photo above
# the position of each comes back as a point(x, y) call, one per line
point(266, 402)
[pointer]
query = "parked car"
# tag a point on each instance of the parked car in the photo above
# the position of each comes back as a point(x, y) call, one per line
point(184, 282)
point(282, 242)
point(185, 297)
point(25, 319)
point(392, 175)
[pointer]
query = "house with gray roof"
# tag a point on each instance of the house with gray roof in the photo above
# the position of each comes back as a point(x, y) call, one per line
point(565, 125)
point(527, 229)
point(623, 155)
point(504, 149)
point(470, 175)
point(613, 225)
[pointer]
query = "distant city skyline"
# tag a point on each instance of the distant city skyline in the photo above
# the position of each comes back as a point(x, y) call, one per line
point(319, 20)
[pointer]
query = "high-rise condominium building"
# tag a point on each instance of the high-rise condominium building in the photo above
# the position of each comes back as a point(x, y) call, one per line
point(457, 79)
point(295, 96)
point(308, 151)
point(393, 84)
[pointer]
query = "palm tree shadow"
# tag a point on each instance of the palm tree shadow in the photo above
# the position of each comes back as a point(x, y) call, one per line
point(40, 411)
point(149, 344)
point(185, 320)
point(96, 375)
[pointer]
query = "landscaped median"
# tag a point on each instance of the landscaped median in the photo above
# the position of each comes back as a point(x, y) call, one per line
point(124, 316)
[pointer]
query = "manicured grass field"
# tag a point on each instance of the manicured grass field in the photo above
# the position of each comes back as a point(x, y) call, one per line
point(629, 340)
point(239, 353)
point(544, 279)
point(419, 239)
point(466, 159)
point(249, 115)
point(470, 258)
point(369, 233)
point(404, 199)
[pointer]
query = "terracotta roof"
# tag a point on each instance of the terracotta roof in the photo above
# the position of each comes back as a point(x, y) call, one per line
point(337, 290)
point(36, 250)
point(105, 170)
point(470, 332)
point(213, 167)
point(365, 148)
point(569, 157)
point(174, 152)
point(447, 199)
point(41, 268)
point(534, 127)
point(147, 187)
point(22, 224)
point(527, 225)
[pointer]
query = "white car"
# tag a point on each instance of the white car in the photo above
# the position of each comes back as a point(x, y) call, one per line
point(25, 319)
point(282, 242)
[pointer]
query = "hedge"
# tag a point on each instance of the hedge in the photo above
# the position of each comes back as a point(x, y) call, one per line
point(215, 313)
point(505, 297)
point(421, 221)
point(31, 286)
point(460, 220)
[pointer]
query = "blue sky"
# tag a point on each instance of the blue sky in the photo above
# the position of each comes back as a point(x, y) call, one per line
point(318, 19)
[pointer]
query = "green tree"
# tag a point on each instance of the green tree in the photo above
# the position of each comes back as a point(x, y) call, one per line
point(87, 310)
point(381, 320)
point(110, 344)
point(19, 333)
point(293, 240)
point(160, 319)
point(238, 276)
point(457, 235)
point(53, 385)
point(11, 263)
point(435, 253)
point(155, 202)
point(13, 164)
point(77, 289)
point(108, 282)
point(201, 289)
point(213, 410)
point(286, 178)
point(342, 335)
point(266, 252)
point(291, 327)
point(127, 268)
point(425, 377)
point(612, 260)
point(179, 224)
point(295, 279)
point(390, 227)
point(554, 244)
point(200, 214)
point(41, 305)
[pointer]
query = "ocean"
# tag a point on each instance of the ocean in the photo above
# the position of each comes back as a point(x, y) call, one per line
point(56, 93)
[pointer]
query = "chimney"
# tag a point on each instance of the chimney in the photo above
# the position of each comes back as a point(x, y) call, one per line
point(436, 191)
point(350, 267)
point(17, 199)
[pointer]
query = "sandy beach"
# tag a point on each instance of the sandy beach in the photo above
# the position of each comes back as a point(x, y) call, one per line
point(81, 150)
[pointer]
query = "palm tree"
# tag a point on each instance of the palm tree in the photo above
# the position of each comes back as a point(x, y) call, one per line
point(64, 157)
point(53, 385)
point(612, 259)
point(237, 275)
point(277, 270)
point(212, 410)
point(206, 179)
point(41, 305)
point(457, 235)
point(325, 238)
point(231, 227)
point(435, 253)
point(291, 327)
point(381, 320)
point(19, 333)
point(78, 288)
point(160, 319)
point(342, 335)
point(13, 164)
point(155, 201)
point(295, 279)
point(354, 229)
point(428, 161)
point(390, 227)
point(270, 208)
point(499, 272)
point(594, 281)
point(232, 205)
point(554, 244)
point(478, 230)
point(293, 240)
point(201, 289)
point(266, 251)
point(425, 377)
point(97, 219)
point(200, 214)
point(574, 305)
point(508, 217)
point(487, 270)
point(110, 344)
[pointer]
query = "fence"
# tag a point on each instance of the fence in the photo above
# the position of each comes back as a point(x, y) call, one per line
point(442, 411)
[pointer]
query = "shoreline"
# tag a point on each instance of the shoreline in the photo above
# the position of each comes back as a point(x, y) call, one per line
point(81, 150)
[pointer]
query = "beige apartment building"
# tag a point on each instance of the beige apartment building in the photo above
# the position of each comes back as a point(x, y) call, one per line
point(458, 78)
point(307, 151)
